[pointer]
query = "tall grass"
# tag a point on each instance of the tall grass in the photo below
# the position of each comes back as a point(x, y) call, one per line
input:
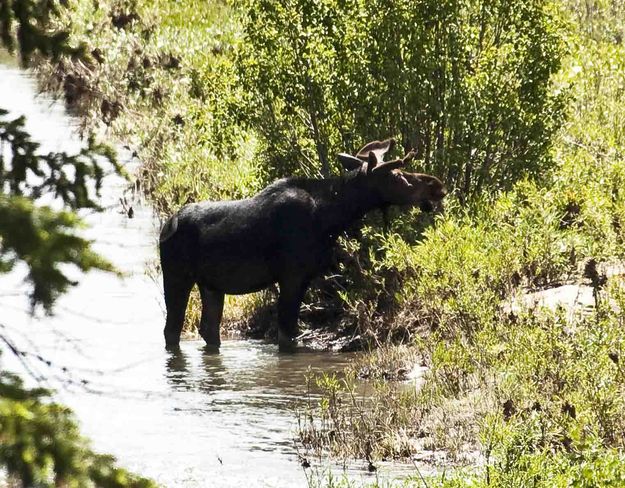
point(537, 395)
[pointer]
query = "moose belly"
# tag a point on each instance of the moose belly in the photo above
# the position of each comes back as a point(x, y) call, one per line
point(237, 277)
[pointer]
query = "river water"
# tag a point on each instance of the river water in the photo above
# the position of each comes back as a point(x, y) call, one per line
point(191, 419)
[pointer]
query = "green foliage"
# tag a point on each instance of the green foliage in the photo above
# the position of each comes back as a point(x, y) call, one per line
point(42, 238)
point(25, 26)
point(211, 156)
point(166, 84)
point(31, 174)
point(538, 394)
point(465, 82)
point(601, 468)
point(40, 444)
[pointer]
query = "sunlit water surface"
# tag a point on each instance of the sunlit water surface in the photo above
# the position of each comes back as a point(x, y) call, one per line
point(192, 419)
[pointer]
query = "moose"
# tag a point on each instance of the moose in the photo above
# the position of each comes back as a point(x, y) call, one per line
point(284, 234)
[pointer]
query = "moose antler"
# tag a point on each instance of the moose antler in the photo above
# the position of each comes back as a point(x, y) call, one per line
point(373, 153)
point(409, 157)
point(395, 163)
point(349, 162)
point(379, 148)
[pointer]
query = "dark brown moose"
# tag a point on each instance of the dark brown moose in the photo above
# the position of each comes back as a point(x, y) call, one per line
point(283, 235)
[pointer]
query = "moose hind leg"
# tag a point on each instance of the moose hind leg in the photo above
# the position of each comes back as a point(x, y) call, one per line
point(289, 301)
point(177, 291)
point(212, 310)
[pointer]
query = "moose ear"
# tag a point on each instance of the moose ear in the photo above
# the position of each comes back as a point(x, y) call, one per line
point(372, 162)
point(380, 148)
point(349, 162)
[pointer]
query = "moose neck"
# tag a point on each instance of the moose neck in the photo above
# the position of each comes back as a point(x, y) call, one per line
point(346, 200)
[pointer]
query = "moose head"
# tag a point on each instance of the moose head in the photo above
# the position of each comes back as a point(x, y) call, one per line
point(392, 185)
point(283, 234)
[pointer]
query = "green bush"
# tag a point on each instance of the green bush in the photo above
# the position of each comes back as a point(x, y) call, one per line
point(465, 82)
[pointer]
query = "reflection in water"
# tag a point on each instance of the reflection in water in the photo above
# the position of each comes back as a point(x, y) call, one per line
point(250, 392)
point(262, 377)
point(181, 376)
point(214, 375)
point(177, 367)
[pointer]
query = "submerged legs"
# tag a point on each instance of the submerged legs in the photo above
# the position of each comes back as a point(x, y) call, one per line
point(177, 290)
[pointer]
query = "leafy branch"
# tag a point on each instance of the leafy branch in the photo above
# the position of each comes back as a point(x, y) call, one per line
point(43, 238)
point(25, 27)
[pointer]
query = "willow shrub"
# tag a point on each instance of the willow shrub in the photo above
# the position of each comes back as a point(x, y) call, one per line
point(465, 82)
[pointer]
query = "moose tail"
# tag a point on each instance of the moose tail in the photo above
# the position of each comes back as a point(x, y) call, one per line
point(169, 229)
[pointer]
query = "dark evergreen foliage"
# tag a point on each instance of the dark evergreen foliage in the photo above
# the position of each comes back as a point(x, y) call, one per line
point(40, 443)
point(24, 27)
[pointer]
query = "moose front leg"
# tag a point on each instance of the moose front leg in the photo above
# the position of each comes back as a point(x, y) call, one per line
point(291, 296)
point(212, 310)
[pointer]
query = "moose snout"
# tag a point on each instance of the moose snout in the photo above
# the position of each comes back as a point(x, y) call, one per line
point(435, 202)
point(426, 206)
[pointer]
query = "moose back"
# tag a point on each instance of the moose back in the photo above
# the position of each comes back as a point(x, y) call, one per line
point(283, 235)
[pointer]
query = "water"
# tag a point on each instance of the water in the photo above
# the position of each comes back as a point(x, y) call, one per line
point(191, 419)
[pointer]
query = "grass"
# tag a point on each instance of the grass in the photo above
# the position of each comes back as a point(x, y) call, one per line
point(538, 397)
point(157, 82)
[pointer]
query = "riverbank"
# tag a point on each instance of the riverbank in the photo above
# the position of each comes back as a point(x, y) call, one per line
point(536, 396)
